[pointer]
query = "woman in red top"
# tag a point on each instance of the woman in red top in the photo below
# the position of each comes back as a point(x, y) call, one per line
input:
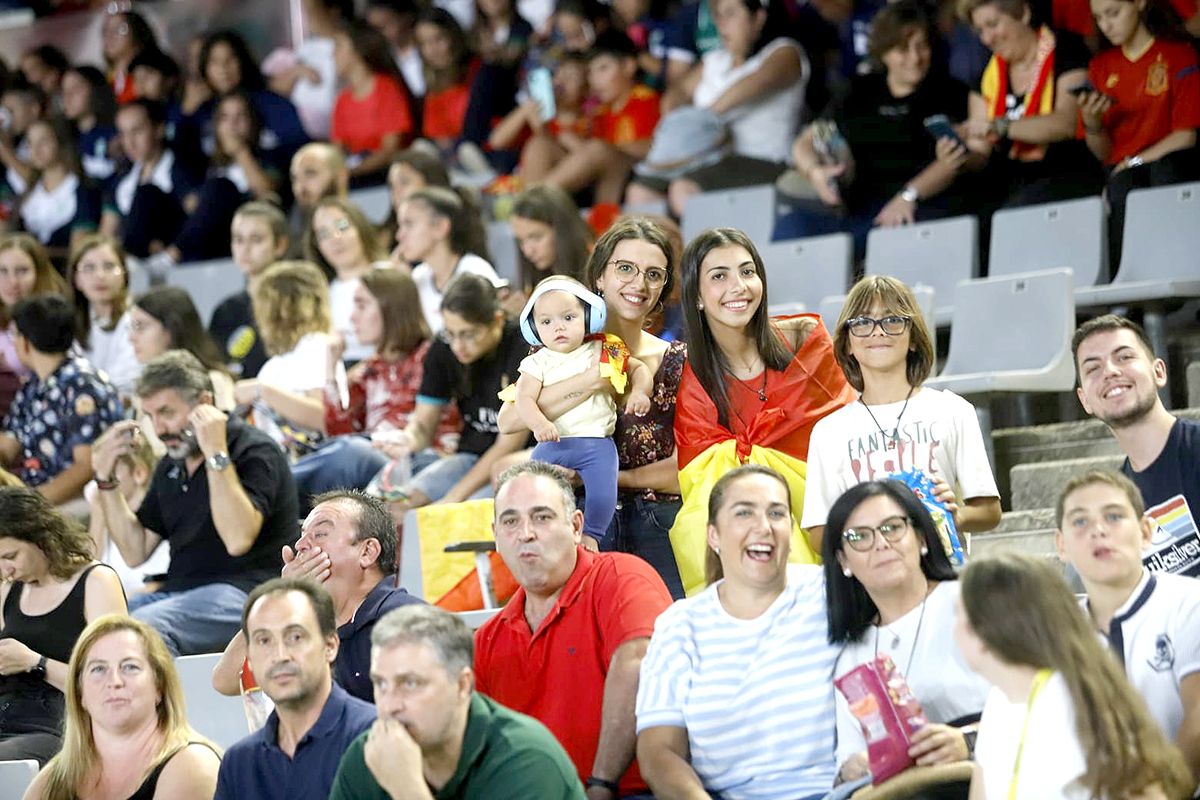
point(372, 120)
point(752, 390)
point(1141, 116)
point(449, 72)
point(382, 390)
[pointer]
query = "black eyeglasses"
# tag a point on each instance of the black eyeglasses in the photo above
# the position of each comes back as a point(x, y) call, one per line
point(892, 325)
point(862, 538)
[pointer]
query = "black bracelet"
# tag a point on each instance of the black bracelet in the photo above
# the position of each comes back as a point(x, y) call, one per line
point(611, 786)
point(107, 485)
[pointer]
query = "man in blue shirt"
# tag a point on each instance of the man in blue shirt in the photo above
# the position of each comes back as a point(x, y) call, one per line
point(63, 407)
point(289, 624)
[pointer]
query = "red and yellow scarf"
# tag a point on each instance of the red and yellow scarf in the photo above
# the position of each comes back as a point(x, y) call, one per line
point(1039, 100)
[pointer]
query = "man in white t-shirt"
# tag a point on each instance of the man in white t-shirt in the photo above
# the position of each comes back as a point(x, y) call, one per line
point(1151, 620)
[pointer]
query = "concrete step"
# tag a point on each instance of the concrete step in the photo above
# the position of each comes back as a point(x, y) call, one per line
point(1034, 519)
point(1036, 485)
point(1034, 542)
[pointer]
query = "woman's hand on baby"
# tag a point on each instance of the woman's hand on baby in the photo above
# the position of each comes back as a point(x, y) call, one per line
point(638, 403)
point(545, 431)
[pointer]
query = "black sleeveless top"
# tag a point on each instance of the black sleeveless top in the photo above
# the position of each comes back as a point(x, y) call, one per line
point(29, 704)
point(150, 785)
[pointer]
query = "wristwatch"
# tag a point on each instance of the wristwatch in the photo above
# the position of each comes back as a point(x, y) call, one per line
point(1000, 127)
point(40, 668)
point(1134, 161)
point(910, 194)
point(217, 462)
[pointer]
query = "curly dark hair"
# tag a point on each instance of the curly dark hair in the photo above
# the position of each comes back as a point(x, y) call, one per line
point(28, 517)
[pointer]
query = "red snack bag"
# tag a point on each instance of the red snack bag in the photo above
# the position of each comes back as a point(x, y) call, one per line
point(879, 698)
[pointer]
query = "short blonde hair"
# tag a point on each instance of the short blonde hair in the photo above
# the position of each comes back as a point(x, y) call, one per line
point(291, 300)
point(897, 298)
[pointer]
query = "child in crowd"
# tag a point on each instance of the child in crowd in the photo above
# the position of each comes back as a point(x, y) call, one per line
point(1142, 109)
point(61, 207)
point(567, 319)
point(133, 472)
point(259, 238)
point(621, 129)
point(88, 103)
point(886, 350)
point(100, 285)
point(543, 142)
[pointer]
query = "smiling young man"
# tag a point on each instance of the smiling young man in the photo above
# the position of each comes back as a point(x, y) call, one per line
point(1119, 379)
point(1149, 619)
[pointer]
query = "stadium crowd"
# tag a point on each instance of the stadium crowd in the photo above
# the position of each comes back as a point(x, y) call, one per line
point(707, 521)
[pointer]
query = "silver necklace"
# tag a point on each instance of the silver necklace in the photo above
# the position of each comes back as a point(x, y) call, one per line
point(890, 442)
point(912, 652)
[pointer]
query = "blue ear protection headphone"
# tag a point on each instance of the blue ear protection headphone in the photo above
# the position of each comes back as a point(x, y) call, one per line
point(595, 312)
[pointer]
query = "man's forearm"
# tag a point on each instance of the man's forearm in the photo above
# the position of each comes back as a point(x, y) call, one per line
point(123, 527)
point(10, 449)
point(68, 484)
point(236, 519)
point(618, 726)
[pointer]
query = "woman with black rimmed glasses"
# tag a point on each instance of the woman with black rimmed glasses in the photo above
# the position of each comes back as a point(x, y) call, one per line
point(886, 350)
point(890, 589)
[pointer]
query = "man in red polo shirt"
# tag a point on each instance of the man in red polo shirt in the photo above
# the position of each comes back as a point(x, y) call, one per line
point(567, 648)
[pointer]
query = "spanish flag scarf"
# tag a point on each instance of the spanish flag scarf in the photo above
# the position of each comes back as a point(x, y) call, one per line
point(1039, 100)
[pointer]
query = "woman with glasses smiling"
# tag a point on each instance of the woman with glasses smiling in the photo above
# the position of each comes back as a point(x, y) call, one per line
point(889, 588)
point(886, 351)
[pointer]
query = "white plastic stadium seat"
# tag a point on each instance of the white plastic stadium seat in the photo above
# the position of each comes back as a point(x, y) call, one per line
point(208, 282)
point(15, 777)
point(502, 245)
point(939, 254)
point(1011, 334)
point(751, 210)
point(375, 202)
point(800, 272)
point(1071, 234)
point(220, 718)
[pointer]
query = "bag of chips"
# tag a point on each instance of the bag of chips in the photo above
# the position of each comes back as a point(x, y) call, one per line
point(922, 486)
point(879, 698)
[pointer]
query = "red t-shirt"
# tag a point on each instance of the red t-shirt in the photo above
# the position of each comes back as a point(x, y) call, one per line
point(1152, 97)
point(631, 121)
point(445, 111)
point(557, 674)
point(359, 125)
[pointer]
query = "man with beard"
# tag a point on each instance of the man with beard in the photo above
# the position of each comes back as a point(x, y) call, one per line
point(223, 497)
point(292, 634)
point(1119, 379)
point(318, 170)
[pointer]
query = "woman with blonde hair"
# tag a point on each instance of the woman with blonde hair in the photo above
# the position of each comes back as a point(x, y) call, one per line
point(886, 350)
point(291, 304)
point(25, 271)
point(51, 586)
point(1061, 721)
point(141, 748)
point(99, 283)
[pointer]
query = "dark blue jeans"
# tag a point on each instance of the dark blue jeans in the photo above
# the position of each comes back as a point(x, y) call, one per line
point(595, 459)
point(642, 528)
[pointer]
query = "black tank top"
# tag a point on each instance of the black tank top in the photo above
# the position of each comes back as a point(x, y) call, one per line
point(27, 703)
point(150, 785)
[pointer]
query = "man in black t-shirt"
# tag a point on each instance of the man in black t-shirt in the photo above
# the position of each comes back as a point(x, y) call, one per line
point(223, 497)
point(1119, 379)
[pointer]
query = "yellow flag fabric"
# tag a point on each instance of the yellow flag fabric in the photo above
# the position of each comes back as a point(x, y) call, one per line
point(441, 525)
point(689, 537)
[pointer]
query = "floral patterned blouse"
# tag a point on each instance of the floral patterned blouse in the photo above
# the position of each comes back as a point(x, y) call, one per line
point(645, 440)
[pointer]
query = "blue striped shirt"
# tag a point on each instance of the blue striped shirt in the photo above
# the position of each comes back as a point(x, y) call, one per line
point(756, 696)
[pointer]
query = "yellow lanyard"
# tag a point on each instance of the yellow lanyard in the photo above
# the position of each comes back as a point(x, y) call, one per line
point(1039, 681)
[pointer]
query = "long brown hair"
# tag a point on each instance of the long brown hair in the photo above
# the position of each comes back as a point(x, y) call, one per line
point(78, 761)
point(83, 308)
point(404, 326)
point(46, 280)
point(553, 207)
point(1023, 611)
point(28, 517)
point(362, 226)
point(707, 360)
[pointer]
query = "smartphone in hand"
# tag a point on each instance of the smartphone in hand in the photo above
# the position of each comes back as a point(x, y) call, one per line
point(939, 127)
point(541, 89)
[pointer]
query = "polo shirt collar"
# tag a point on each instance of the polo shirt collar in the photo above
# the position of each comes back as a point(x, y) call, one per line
point(1139, 597)
point(368, 609)
point(327, 723)
point(514, 612)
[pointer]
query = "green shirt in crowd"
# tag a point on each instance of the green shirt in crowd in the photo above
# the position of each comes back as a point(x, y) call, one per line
point(505, 756)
